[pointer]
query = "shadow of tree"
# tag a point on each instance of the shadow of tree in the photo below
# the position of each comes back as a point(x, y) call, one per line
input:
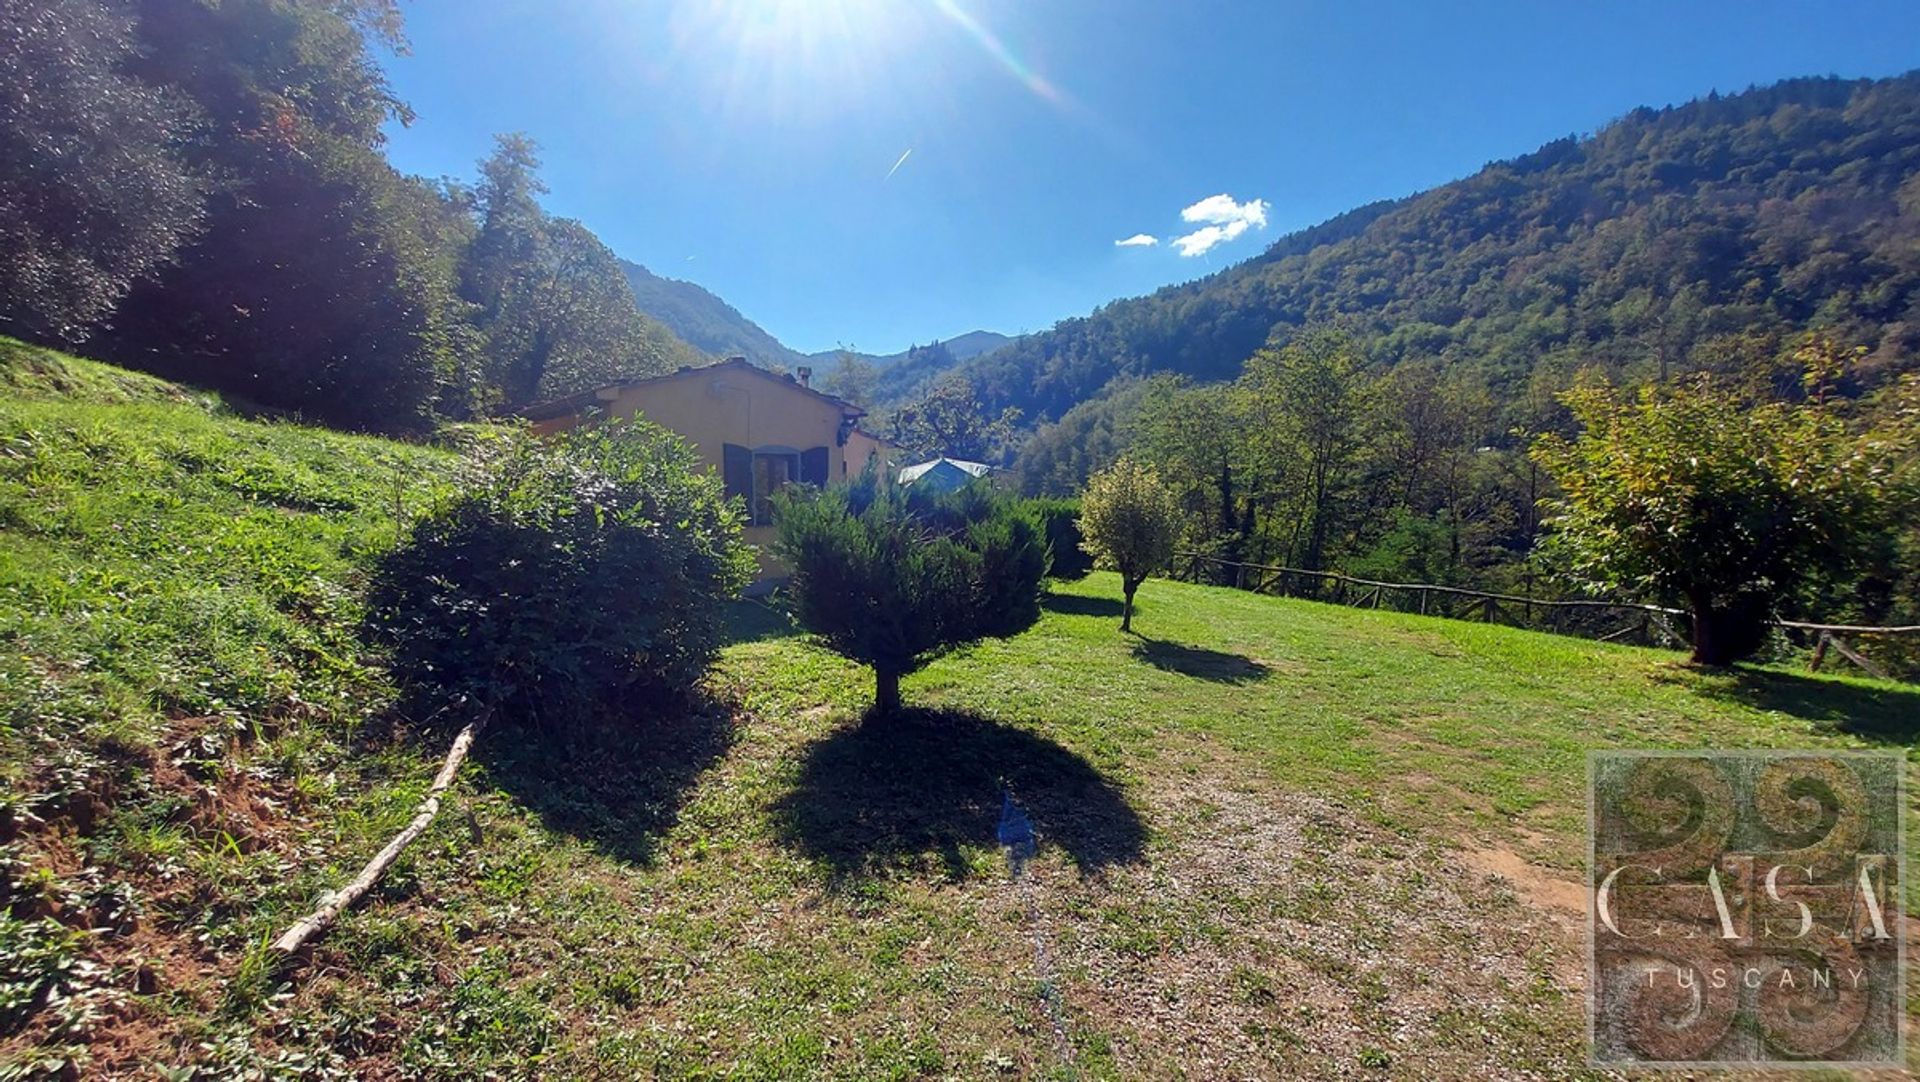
point(755, 620)
point(617, 787)
point(901, 793)
point(1882, 715)
point(1199, 662)
point(1077, 605)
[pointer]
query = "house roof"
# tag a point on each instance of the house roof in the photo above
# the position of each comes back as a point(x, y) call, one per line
point(910, 474)
point(585, 400)
point(878, 438)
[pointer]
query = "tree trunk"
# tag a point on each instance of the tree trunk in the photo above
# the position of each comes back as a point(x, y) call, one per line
point(1706, 633)
point(886, 691)
point(1126, 608)
point(1728, 631)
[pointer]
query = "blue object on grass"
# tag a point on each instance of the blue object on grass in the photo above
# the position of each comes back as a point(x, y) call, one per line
point(1016, 830)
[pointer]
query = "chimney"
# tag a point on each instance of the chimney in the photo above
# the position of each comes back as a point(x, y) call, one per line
point(806, 375)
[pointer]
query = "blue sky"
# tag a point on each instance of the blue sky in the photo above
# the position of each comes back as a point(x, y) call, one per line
point(751, 145)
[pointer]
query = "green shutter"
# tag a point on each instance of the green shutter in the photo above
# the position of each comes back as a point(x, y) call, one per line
point(736, 471)
point(813, 467)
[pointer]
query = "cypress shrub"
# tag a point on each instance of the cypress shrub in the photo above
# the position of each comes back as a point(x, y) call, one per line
point(1060, 521)
point(888, 578)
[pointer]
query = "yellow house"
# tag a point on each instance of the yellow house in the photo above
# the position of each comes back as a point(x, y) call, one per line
point(759, 430)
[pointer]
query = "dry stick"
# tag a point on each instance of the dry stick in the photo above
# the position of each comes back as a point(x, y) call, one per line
point(322, 918)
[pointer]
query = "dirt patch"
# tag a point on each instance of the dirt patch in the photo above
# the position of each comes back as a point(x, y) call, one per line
point(1274, 935)
point(1536, 886)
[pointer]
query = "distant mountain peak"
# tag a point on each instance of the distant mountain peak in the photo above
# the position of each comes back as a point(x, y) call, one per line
point(708, 323)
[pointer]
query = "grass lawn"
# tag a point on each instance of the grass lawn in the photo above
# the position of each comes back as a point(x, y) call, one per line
point(1277, 838)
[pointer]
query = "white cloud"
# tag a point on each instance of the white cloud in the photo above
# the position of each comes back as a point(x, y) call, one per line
point(1200, 240)
point(1225, 219)
point(1138, 240)
point(1222, 210)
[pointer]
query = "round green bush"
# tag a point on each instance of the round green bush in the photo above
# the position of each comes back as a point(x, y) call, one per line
point(569, 580)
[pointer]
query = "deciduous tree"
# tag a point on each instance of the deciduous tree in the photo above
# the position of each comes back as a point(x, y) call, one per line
point(947, 419)
point(1692, 495)
point(1130, 523)
point(94, 193)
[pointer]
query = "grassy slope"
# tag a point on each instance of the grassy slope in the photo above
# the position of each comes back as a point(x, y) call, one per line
point(179, 683)
point(1249, 817)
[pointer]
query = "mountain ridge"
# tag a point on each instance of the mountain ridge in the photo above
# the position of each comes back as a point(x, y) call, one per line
point(704, 320)
point(1663, 237)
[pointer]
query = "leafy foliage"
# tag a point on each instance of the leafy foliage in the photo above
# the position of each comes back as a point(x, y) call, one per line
point(887, 576)
point(1060, 522)
point(851, 378)
point(94, 194)
point(947, 420)
point(1308, 411)
point(202, 189)
point(1699, 496)
point(1131, 524)
point(569, 580)
point(551, 301)
point(320, 283)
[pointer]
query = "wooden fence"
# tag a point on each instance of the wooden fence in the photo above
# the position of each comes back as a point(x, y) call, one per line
point(1607, 621)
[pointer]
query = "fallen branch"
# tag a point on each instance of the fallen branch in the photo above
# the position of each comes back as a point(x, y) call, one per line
point(337, 903)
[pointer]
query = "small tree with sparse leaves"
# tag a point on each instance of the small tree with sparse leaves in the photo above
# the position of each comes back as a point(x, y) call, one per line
point(1130, 521)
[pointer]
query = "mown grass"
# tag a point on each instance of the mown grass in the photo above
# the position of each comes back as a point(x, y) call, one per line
point(1248, 813)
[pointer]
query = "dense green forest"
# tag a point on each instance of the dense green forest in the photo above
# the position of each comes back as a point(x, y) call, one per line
point(1364, 395)
point(201, 190)
point(1673, 239)
point(704, 320)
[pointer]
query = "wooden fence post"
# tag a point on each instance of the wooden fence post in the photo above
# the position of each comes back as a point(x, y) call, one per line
point(1851, 655)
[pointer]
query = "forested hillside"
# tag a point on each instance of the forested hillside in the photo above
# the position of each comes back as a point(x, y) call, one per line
point(704, 320)
point(1366, 395)
point(960, 347)
point(1672, 239)
point(201, 190)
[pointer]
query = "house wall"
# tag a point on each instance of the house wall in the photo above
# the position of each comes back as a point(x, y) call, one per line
point(862, 448)
point(752, 409)
point(734, 406)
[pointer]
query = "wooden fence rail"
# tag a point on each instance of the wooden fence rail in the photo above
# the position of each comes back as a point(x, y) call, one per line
point(1589, 617)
